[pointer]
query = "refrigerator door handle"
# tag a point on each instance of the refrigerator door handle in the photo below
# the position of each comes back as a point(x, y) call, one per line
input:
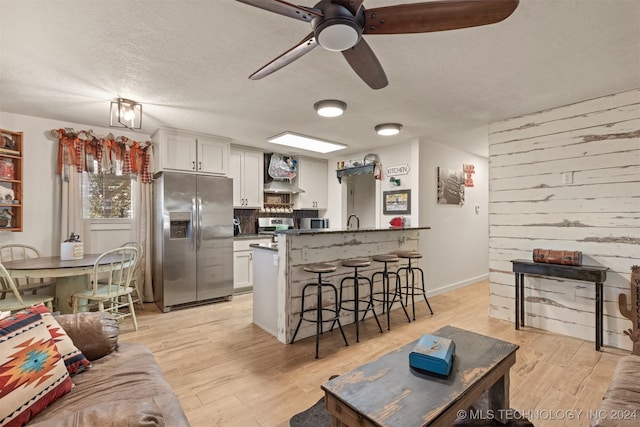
point(194, 229)
point(199, 212)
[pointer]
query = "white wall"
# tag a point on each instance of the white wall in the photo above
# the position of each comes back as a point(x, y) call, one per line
point(455, 249)
point(41, 214)
point(597, 142)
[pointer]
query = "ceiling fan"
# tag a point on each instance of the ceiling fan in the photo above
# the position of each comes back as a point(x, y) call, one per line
point(338, 25)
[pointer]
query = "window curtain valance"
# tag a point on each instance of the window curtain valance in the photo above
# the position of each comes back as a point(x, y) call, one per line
point(89, 153)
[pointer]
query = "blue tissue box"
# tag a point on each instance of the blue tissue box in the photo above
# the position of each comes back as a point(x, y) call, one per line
point(433, 354)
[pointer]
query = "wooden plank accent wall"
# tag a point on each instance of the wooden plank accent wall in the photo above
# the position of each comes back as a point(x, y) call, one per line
point(597, 143)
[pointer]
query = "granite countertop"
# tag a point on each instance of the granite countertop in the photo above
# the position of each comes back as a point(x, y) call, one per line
point(267, 246)
point(342, 230)
point(249, 236)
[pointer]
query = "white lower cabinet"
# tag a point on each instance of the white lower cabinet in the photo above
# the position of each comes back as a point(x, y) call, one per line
point(243, 263)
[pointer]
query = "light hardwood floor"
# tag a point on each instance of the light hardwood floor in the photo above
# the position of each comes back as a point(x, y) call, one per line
point(228, 372)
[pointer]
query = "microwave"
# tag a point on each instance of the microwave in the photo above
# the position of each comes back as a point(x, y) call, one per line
point(313, 223)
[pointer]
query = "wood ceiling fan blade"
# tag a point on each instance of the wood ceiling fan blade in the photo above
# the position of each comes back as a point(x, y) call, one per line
point(366, 65)
point(436, 16)
point(352, 5)
point(286, 58)
point(285, 8)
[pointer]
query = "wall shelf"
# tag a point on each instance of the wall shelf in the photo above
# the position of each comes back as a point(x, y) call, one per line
point(358, 170)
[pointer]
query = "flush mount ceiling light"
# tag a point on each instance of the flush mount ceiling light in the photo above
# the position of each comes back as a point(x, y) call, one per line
point(126, 113)
point(388, 129)
point(295, 140)
point(329, 108)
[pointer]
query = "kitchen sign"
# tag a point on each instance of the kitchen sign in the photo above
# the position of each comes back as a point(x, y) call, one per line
point(397, 170)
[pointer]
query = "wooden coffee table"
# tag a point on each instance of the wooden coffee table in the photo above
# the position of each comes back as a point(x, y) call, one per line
point(387, 392)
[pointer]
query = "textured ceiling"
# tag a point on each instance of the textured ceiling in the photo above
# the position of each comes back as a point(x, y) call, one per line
point(187, 62)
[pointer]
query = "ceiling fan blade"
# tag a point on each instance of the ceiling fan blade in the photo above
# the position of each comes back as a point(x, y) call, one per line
point(366, 65)
point(352, 5)
point(285, 8)
point(286, 58)
point(436, 16)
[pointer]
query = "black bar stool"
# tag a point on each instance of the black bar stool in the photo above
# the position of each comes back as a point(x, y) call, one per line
point(387, 292)
point(319, 319)
point(356, 278)
point(412, 287)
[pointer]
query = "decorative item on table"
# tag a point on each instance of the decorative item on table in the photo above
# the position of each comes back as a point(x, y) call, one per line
point(433, 354)
point(6, 169)
point(551, 256)
point(72, 248)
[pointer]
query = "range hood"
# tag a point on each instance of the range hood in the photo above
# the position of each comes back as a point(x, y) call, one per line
point(281, 187)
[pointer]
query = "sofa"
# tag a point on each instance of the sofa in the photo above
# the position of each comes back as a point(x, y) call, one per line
point(123, 386)
point(620, 405)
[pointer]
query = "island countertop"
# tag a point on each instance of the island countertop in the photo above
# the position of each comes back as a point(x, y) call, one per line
point(298, 232)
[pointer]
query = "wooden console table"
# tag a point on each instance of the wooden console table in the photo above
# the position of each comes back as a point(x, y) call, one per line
point(585, 273)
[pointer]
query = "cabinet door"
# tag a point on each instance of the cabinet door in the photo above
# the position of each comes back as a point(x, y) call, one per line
point(178, 152)
point(312, 178)
point(235, 172)
point(242, 269)
point(253, 179)
point(213, 156)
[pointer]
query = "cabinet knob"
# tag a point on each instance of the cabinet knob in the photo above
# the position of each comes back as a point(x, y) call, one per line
point(194, 165)
point(200, 165)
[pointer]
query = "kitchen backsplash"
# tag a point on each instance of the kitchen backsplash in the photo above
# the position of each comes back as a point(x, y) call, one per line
point(249, 218)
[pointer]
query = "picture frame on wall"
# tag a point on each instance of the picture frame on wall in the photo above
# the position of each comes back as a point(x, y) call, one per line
point(450, 186)
point(396, 202)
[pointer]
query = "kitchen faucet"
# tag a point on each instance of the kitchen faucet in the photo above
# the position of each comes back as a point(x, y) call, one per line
point(357, 221)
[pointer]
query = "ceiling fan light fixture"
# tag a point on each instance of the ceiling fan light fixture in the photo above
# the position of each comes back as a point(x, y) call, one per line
point(388, 129)
point(338, 36)
point(330, 107)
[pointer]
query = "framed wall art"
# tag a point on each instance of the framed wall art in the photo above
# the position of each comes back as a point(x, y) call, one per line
point(450, 186)
point(396, 202)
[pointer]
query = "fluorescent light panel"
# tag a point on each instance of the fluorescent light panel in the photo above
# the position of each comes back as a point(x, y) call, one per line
point(303, 142)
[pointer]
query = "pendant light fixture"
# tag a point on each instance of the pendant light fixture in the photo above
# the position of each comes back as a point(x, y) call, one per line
point(126, 113)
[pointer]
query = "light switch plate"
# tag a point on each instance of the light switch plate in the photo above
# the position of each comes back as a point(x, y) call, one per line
point(567, 178)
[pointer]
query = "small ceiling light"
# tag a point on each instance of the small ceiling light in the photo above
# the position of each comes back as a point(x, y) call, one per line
point(295, 140)
point(388, 129)
point(126, 113)
point(330, 108)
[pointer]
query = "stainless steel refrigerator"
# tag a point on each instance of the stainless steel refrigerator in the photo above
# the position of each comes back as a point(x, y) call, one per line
point(193, 239)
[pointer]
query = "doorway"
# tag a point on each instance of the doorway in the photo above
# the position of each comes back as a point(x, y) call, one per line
point(361, 199)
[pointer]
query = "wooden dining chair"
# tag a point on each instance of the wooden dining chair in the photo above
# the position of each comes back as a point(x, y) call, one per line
point(13, 301)
point(110, 289)
point(13, 252)
point(136, 295)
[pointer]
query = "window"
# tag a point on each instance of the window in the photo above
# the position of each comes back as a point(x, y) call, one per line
point(106, 196)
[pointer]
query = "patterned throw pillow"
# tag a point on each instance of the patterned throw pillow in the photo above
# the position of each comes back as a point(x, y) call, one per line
point(74, 360)
point(32, 373)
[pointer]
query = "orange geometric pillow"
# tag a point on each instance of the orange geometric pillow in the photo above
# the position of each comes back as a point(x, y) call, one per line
point(74, 360)
point(32, 373)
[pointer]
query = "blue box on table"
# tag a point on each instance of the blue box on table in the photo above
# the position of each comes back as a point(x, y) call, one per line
point(433, 354)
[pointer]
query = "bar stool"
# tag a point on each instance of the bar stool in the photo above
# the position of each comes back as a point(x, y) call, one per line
point(355, 264)
point(412, 287)
point(319, 319)
point(386, 293)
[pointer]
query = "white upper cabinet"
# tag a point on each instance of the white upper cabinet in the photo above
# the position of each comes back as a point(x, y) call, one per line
point(183, 151)
point(312, 178)
point(247, 170)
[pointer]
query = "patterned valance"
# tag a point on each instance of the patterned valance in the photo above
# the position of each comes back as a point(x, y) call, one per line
point(89, 153)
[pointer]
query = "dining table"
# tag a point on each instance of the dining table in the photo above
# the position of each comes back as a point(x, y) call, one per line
point(71, 275)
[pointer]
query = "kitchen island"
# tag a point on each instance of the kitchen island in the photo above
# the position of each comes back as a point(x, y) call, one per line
point(297, 248)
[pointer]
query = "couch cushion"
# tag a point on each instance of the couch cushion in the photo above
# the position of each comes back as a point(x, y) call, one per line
point(621, 403)
point(94, 333)
point(74, 360)
point(129, 375)
point(32, 372)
